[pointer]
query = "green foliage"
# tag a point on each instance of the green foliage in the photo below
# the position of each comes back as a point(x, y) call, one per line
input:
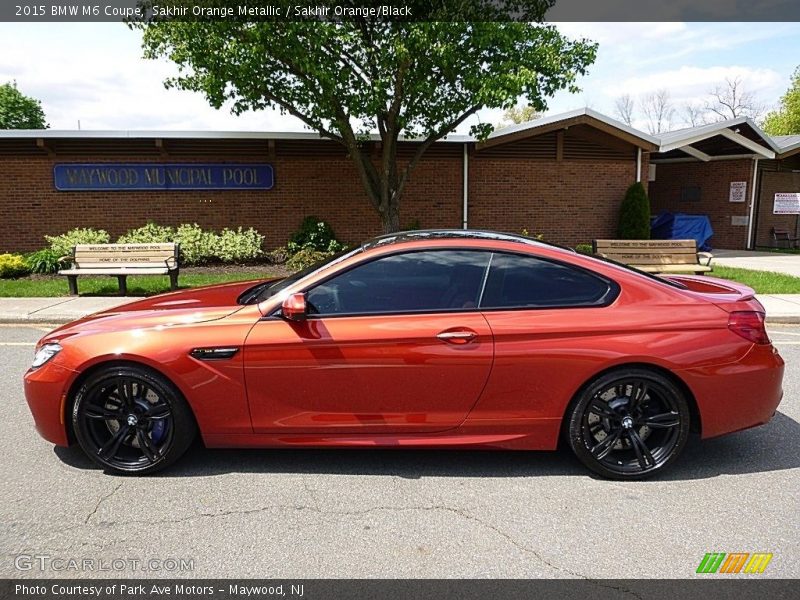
point(18, 111)
point(43, 261)
point(634, 215)
point(148, 234)
point(316, 234)
point(519, 114)
point(198, 247)
point(786, 120)
point(12, 265)
point(62, 244)
point(584, 249)
point(278, 256)
point(235, 245)
point(419, 78)
point(413, 225)
point(306, 257)
point(535, 236)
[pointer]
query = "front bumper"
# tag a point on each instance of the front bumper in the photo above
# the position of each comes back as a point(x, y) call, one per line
point(738, 395)
point(46, 391)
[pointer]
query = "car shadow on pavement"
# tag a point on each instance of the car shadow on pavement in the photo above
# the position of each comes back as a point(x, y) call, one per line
point(762, 449)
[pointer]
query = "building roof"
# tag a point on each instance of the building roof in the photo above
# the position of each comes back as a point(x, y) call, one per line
point(723, 139)
point(789, 144)
point(133, 134)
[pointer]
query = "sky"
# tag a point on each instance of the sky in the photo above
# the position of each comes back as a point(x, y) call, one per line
point(94, 73)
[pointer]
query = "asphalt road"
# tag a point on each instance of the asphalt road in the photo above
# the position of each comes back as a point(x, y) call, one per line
point(287, 514)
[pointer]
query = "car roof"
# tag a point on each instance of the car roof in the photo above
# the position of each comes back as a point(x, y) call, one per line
point(455, 234)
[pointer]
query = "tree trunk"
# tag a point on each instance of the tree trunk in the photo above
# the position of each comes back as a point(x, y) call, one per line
point(390, 218)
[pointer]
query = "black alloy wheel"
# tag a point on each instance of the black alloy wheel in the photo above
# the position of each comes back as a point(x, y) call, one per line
point(629, 424)
point(131, 420)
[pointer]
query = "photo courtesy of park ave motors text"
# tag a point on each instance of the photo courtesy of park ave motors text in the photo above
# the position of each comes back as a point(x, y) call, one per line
point(490, 298)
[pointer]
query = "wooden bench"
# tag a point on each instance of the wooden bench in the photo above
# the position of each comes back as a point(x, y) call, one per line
point(782, 236)
point(656, 256)
point(122, 260)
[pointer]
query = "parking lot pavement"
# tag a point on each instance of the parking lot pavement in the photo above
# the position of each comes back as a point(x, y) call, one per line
point(287, 513)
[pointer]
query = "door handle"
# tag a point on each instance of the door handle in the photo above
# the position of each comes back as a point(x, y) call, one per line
point(457, 337)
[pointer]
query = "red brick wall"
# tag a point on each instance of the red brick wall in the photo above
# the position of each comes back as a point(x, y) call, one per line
point(714, 179)
point(570, 202)
point(327, 187)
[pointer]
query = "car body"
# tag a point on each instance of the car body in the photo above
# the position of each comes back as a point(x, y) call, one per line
point(435, 339)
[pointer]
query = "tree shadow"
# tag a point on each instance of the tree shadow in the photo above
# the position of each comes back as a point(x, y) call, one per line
point(758, 450)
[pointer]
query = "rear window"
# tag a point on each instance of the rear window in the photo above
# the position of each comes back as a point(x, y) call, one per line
point(517, 281)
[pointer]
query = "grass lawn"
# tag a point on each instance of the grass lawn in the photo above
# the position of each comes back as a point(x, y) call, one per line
point(54, 285)
point(763, 282)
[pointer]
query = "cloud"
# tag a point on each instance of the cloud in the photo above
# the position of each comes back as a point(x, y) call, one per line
point(691, 83)
point(95, 73)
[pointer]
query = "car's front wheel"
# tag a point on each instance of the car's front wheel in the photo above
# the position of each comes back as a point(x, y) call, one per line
point(629, 424)
point(131, 420)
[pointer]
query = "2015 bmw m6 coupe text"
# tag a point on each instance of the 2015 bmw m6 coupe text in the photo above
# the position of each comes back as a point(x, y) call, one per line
point(432, 339)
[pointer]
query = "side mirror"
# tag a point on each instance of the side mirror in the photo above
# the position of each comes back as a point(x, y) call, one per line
point(294, 307)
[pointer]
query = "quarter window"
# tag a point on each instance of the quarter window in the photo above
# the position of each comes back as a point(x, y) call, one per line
point(523, 281)
point(435, 280)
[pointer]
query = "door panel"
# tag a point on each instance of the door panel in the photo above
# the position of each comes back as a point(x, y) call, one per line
point(367, 374)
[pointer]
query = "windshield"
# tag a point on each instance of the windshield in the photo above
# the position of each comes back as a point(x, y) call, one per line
point(267, 289)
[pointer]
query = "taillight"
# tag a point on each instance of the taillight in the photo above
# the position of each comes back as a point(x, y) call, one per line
point(750, 325)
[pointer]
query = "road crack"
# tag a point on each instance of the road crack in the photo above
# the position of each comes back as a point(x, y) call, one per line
point(100, 502)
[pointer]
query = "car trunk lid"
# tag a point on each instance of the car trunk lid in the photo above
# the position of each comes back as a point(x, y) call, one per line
point(728, 295)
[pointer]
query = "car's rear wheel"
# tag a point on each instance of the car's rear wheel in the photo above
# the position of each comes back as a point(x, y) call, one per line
point(629, 424)
point(131, 420)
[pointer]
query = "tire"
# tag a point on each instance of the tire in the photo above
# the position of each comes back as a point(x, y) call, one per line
point(131, 420)
point(629, 424)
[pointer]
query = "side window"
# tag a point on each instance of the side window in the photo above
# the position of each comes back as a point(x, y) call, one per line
point(415, 281)
point(524, 281)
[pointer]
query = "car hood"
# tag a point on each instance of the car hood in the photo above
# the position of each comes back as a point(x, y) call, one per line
point(174, 308)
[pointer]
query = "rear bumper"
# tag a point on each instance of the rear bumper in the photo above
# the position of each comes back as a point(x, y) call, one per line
point(45, 391)
point(737, 395)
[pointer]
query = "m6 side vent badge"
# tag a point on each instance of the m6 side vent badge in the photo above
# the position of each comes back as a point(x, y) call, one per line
point(214, 353)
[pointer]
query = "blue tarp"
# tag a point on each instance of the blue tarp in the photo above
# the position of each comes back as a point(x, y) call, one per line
point(680, 226)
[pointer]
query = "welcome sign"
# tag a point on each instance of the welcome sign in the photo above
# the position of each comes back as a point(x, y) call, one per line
point(161, 176)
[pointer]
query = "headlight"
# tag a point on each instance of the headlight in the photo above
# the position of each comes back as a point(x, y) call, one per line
point(44, 354)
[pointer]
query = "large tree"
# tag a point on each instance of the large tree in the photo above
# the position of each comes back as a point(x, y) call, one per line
point(786, 120)
point(397, 79)
point(18, 111)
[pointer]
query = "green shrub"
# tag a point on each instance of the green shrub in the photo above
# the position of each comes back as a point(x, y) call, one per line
point(278, 256)
point(235, 245)
point(62, 244)
point(584, 249)
point(306, 257)
point(535, 236)
point(148, 234)
point(634, 215)
point(12, 265)
point(197, 246)
point(43, 261)
point(316, 234)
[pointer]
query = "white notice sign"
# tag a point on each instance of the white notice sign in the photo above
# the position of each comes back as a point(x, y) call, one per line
point(738, 191)
point(786, 204)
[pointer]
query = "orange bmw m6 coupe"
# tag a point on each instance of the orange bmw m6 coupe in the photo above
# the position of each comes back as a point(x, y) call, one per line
point(426, 339)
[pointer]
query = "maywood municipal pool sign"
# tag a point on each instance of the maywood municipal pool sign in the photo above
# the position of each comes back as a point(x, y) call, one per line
point(160, 176)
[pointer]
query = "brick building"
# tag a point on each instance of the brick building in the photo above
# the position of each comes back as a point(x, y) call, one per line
point(563, 176)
